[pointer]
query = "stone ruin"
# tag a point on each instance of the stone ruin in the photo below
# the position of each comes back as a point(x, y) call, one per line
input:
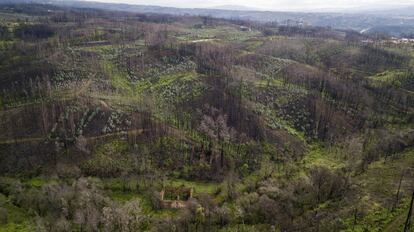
point(176, 197)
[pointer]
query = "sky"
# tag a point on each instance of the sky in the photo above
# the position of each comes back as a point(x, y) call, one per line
point(274, 4)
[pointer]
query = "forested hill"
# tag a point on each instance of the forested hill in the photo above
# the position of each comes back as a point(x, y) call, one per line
point(397, 21)
point(120, 121)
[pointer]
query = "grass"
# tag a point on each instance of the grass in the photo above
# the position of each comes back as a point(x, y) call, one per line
point(146, 204)
point(229, 33)
point(273, 82)
point(109, 158)
point(13, 227)
point(168, 90)
point(380, 219)
point(163, 81)
point(122, 196)
point(129, 92)
point(276, 122)
point(248, 228)
point(253, 45)
point(96, 48)
point(119, 80)
point(317, 155)
point(114, 187)
point(380, 183)
point(36, 182)
point(389, 77)
point(400, 215)
point(17, 219)
point(199, 187)
point(382, 176)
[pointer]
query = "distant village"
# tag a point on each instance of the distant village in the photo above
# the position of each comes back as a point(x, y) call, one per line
point(401, 40)
point(393, 40)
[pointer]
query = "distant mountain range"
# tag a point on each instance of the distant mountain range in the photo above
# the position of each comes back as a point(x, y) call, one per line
point(382, 20)
point(236, 8)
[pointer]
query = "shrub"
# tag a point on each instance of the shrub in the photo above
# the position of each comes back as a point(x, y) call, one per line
point(38, 31)
point(4, 32)
point(3, 216)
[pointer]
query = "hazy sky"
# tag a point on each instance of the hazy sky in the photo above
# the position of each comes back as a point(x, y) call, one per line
point(274, 4)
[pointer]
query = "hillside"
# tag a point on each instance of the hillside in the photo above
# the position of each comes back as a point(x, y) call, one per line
point(106, 117)
point(396, 21)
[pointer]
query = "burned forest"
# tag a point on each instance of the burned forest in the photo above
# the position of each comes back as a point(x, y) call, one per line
point(121, 121)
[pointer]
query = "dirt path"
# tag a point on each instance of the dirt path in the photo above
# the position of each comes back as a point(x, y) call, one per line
point(396, 223)
point(130, 132)
point(203, 40)
point(84, 87)
point(89, 139)
point(21, 140)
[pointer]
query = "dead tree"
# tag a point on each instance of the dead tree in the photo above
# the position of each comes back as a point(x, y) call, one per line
point(397, 196)
point(407, 225)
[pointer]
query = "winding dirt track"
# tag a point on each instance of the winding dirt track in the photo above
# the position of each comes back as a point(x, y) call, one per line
point(89, 139)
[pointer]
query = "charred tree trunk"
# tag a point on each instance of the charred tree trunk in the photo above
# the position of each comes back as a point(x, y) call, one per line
point(407, 225)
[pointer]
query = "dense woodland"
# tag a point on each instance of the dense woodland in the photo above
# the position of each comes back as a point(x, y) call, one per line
point(275, 128)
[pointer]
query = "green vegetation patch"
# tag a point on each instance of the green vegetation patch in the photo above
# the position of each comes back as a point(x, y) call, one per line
point(380, 219)
point(276, 122)
point(119, 80)
point(108, 160)
point(13, 218)
point(219, 32)
point(199, 187)
point(380, 183)
point(172, 88)
point(389, 78)
point(318, 155)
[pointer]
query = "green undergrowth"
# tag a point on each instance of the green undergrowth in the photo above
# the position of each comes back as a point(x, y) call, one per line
point(380, 219)
point(380, 184)
point(248, 228)
point(17, 227)
point(382, 176)
point(36, 181)
point(97, 48)
point(253, 45)
point(265, 83)
point(145, 203)
point(164, 90)
point(109, 159)
point(163, 81)
point(276, 122)
point(124, 191)
point(199, 187)
point(318, 155)
point(228, 33)
point(389, 78)
point(17, 219)
point(119, 79)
